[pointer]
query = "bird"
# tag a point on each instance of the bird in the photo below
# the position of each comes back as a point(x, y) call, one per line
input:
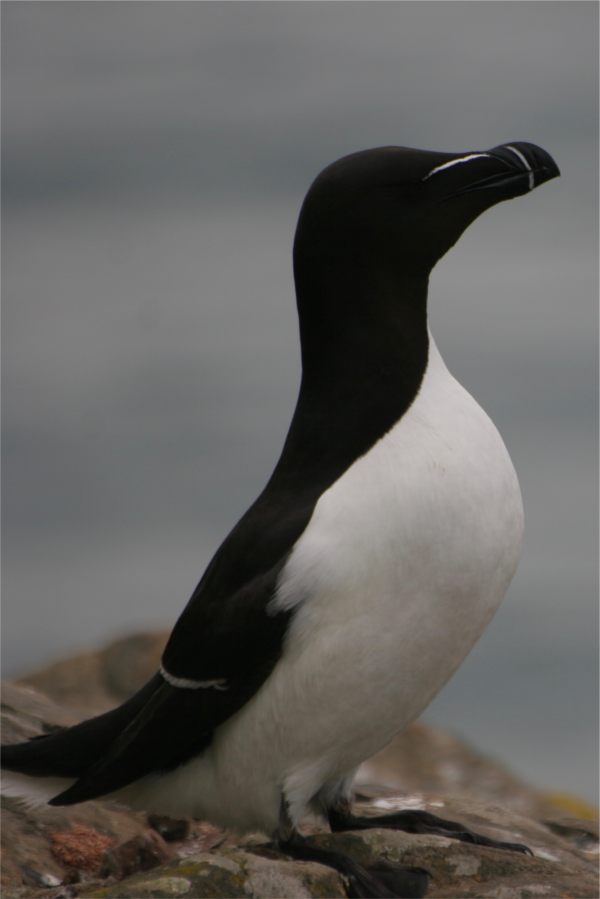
point(356, 583)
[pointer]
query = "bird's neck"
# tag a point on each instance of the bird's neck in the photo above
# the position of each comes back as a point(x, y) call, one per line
point(364, 353)
point(361, 318)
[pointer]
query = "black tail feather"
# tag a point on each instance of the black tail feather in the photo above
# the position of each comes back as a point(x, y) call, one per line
point(145, 744)
point(155, 731)
point(71, 751)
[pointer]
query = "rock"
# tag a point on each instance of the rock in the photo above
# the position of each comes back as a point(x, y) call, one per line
point(464, 870)
point(170, 829)
point(100, 850)
point(228, 874)
point(424, 759)
point(50, 846)
point(80, 847)
point(94, 681)
point(457, 869)
point(69, 844)
point(27, 713)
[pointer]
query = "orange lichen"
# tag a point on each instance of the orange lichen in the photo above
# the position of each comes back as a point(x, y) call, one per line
point(80, 847)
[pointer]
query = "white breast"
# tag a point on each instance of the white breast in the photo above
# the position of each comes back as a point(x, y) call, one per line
point(430, 518)
point(405, 560)
point(403, 563)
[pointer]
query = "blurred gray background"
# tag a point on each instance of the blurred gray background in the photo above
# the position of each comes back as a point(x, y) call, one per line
point(155, 158)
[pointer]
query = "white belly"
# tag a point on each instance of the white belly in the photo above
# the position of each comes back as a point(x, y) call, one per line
point(404, 562)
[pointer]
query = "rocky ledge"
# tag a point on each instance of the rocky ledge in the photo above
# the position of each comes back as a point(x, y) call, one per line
point(98, 849)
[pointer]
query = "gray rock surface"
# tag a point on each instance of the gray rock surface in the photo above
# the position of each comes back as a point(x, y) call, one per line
point(97, 680)
point(98, 849)
point(457, 869)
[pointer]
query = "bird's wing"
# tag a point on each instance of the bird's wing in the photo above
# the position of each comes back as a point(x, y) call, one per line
point(222, 649)
point(230, 635)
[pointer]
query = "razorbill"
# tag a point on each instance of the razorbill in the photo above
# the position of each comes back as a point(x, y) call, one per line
point(365, 571)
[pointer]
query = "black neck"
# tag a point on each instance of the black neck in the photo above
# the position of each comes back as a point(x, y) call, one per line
point(353, 322)
point(363, 332)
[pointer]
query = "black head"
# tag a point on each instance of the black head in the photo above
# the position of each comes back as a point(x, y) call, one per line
point(401, 209)
point(371, 228)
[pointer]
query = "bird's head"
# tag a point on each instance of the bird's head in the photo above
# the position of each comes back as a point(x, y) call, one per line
point(395, 208)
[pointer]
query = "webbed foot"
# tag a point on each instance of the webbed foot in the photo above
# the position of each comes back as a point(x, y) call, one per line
point(384, 880)
point(418, 821)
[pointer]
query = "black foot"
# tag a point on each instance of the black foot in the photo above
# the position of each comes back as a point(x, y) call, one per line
point(402, 881)
point(382, 881)
point(416, 821)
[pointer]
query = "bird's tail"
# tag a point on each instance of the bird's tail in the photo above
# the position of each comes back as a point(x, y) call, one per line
point(39, 768)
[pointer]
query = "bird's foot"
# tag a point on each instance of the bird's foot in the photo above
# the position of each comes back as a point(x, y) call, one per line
point(400, 880)
point(418, 821)
point(384, 880)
